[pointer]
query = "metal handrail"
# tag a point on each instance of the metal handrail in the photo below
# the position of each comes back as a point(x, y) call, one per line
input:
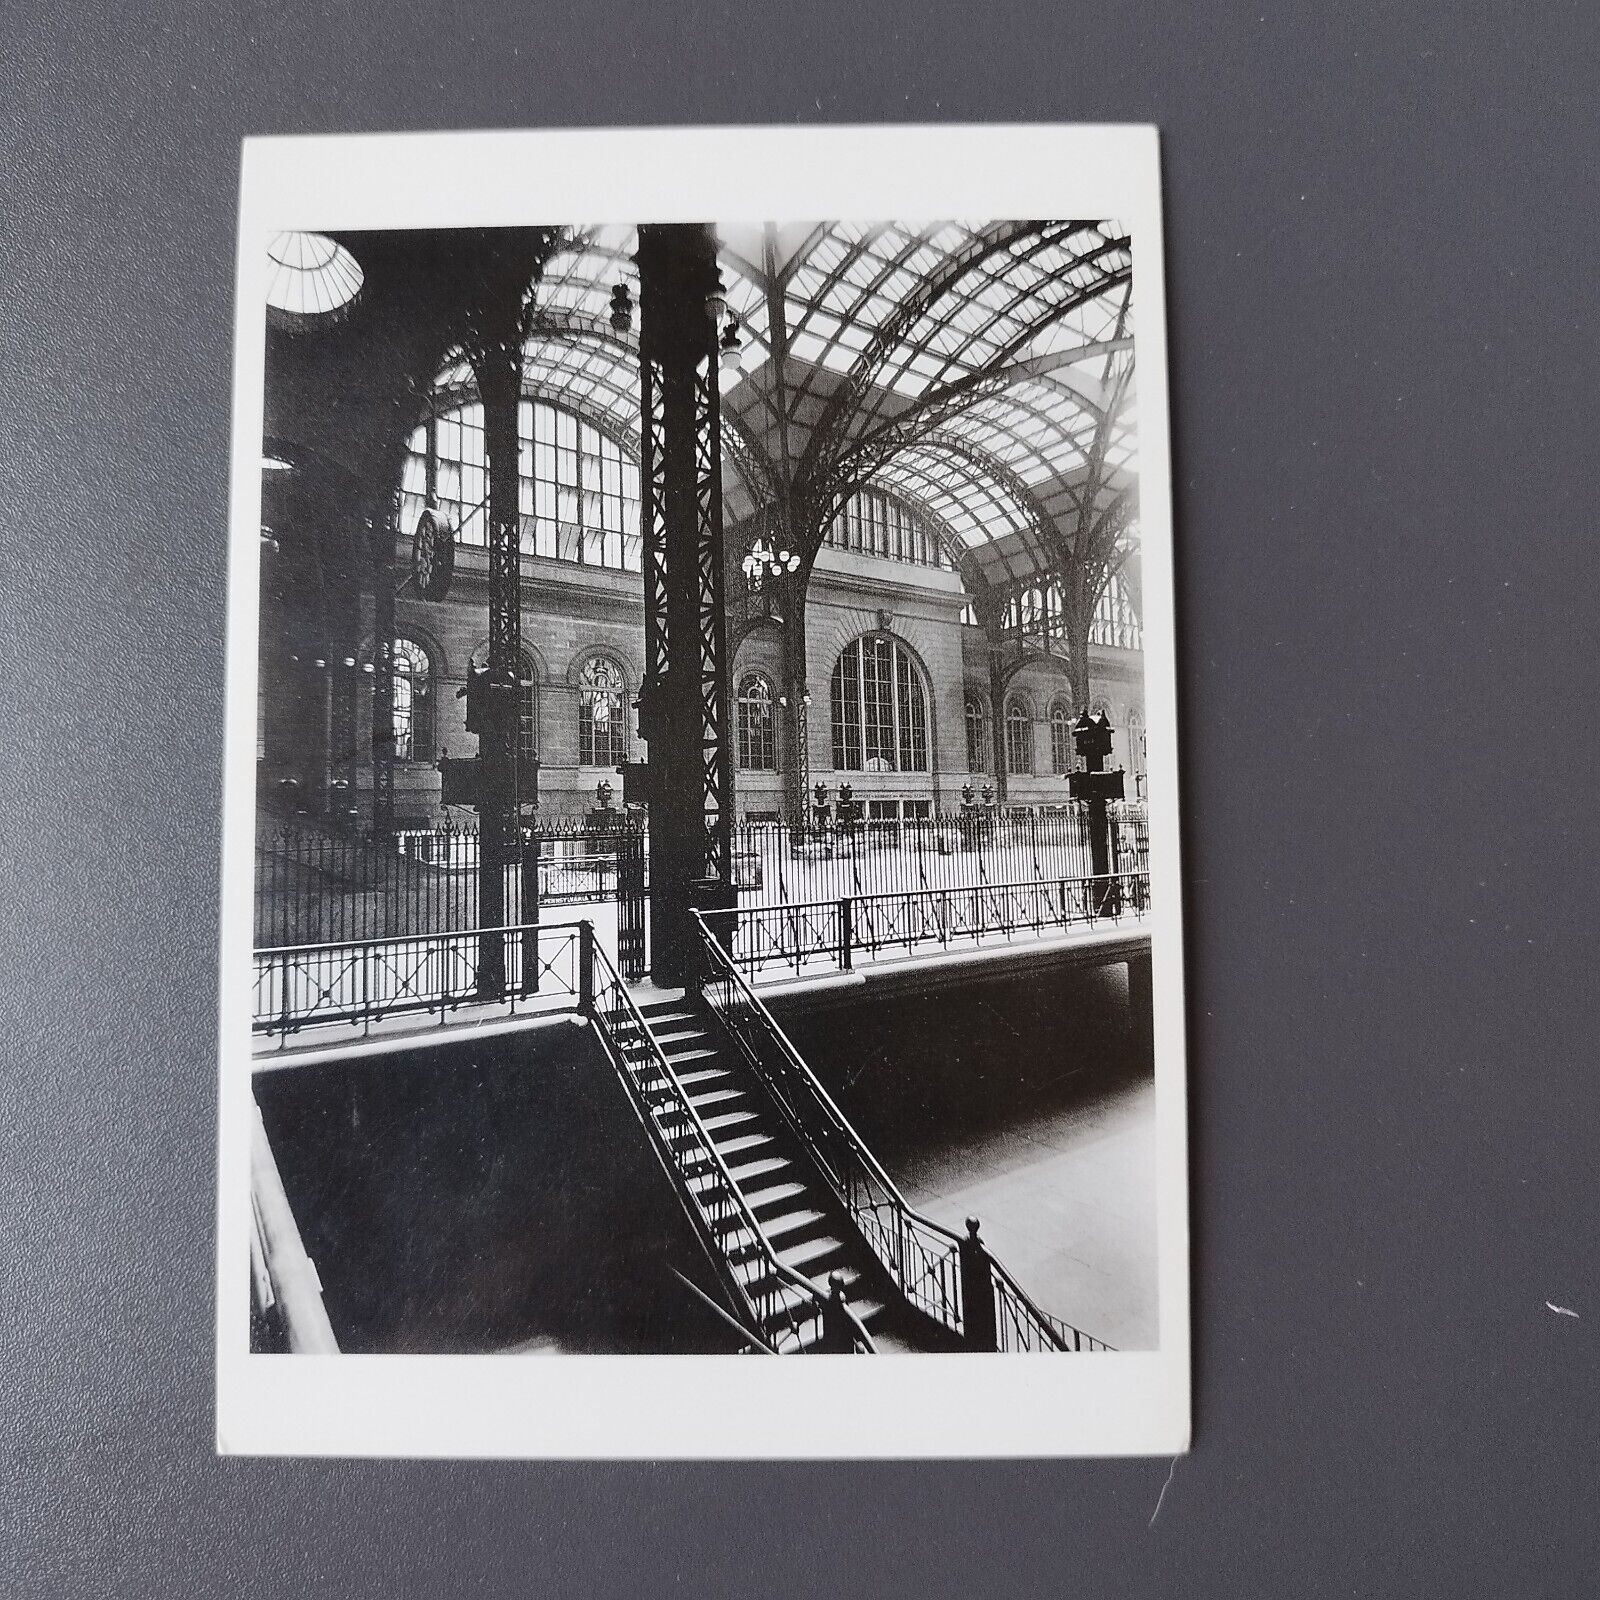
point(858, 1150)
point(284, 1268)
point(754, 1340)
point(708, 1150)
point(853, 924)
point(263, 951)
point(800, 1066)
point(786, 908)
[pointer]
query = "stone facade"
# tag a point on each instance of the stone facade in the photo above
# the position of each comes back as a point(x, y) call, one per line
point(573, 612)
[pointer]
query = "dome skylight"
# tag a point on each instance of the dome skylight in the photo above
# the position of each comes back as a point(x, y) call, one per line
point(310, 274)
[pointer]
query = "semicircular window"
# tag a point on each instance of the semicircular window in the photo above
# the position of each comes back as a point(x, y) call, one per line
point(310, 274)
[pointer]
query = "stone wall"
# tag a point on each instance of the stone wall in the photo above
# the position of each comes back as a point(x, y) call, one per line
point(572, 612)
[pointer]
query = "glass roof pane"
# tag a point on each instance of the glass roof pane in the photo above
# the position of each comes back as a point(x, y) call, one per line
point(309, 273)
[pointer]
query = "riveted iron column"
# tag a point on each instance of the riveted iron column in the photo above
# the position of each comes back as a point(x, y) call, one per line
point(382, 536)
point(684, 701)
point(797, 732)
point(495, 352)
point(988, 611)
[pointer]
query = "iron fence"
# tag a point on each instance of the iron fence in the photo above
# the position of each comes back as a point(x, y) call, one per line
point(320, 887)
point(316, 887)
point(789, 863)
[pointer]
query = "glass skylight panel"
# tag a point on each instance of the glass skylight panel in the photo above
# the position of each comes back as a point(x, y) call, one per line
point(311, 274)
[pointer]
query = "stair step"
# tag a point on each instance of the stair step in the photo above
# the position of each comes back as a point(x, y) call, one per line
point(814, 1257)
point(890, 1344)
point(716, 1097)
point(733, 1121)
point(679, 1007)
point(746, 1172)
point(678, 1057)
point(698, 1078)
point(707, 1099)
point(866, 1312)
point(678, 1033)
point(745, 1165)
point(793, 1243)
point(771, 1198)
point(791, 1296)
point(791, 1225)
point(711, 1077)
point(744, 1145)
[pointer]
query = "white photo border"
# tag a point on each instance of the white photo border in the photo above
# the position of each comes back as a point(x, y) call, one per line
point(600, 1407)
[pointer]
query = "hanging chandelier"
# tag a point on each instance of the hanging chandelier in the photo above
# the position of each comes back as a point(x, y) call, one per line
point(763, 561)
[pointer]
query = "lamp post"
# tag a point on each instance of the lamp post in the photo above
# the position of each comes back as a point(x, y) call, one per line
point(1097, 788)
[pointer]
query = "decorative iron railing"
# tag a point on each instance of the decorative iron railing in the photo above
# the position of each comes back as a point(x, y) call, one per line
point(781, 1310)
point(319, 885)
point(836, 933)
point(779, 863)
point(362, 981)
point(953, 1281)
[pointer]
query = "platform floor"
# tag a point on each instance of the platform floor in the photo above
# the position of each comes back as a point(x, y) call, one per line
point(1066, 1198)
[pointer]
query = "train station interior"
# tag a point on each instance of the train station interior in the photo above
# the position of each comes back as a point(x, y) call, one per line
point(701, 851)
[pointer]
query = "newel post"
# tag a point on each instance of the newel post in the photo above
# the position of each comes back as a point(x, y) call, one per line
point(586, 968)
point(838, 1337)
point(977, 1292)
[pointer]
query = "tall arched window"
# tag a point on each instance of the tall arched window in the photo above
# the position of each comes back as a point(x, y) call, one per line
point(1019, 739)
point(413, 702)
point(1115, 621)
point(1060, 737)
point(527, 703)
point(602, 727)
point(977, 736)
point(578, 491)
point(875, 525)
point(758, 745)
point(880, 712)
point(1137, 750)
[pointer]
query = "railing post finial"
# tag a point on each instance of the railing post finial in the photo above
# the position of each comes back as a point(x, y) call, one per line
point(838, 1337)
point(978, 1320)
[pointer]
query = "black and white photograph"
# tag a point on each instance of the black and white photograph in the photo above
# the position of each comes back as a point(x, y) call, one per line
point(702, 805)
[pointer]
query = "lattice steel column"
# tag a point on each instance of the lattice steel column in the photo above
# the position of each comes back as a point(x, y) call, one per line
point(684, 702)
point(495, 352)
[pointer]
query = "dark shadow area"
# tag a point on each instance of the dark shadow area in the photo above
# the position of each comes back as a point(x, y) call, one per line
point(489, 1196)
point(919, 1073)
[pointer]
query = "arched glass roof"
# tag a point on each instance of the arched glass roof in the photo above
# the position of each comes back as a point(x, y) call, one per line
point(309, 274)
point(968, 365)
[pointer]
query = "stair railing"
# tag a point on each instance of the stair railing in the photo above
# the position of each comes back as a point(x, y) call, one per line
point(934, 1268)
point(780, 1308)
point(284, 1287)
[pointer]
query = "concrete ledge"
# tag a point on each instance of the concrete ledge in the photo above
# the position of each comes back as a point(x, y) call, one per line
point(917, 973)
point(458, 1031)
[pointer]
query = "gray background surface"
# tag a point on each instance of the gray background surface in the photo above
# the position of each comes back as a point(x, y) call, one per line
point(1382, 237)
